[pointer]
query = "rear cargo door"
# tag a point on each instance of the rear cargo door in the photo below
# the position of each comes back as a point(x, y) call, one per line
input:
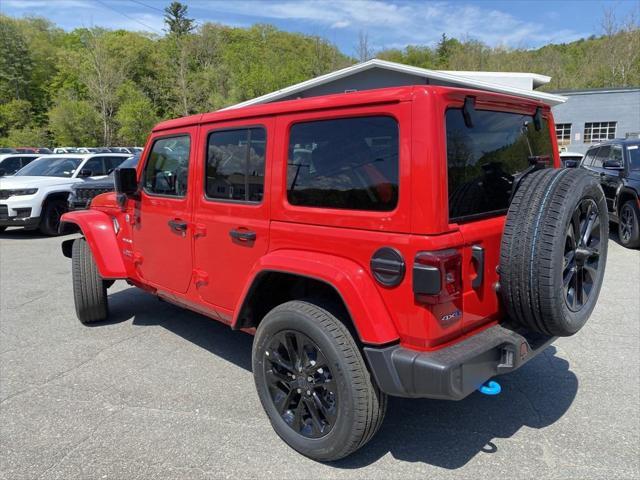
point(484, 160)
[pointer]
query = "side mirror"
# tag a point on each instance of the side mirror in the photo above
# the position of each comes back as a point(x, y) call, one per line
point(85, 172)
point(126, 181)
point(571, 163)
point(613, 165)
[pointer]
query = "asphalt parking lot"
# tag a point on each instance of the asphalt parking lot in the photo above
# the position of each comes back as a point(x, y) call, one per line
point(159, 392)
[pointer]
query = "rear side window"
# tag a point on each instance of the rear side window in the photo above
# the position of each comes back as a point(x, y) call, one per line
point(235, 164)
point(348, 163)
point(634, 157)
point(167, 169)
point(484, 160)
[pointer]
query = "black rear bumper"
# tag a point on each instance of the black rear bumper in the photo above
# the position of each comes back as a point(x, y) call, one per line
point(454, 372)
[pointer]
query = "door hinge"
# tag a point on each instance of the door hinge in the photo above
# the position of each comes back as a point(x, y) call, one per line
point(200, 278)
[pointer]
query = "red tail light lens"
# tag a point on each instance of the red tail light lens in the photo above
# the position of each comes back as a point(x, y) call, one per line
point(437, 276)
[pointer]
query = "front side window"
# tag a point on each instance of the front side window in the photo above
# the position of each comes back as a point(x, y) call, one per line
point(484, 160)
point(601, 156)
point(563, 133)
point(94, 167)
point(51, 167)
point(167, 168)
point(589, 157)
point(595, 132)
point(235, 164)
point(10, 165)
point(347, 163)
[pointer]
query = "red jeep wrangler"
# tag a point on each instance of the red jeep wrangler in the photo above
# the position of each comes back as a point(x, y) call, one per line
point(412, 241)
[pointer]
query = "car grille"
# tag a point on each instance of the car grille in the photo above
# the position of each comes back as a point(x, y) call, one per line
point(85, 194)
point(4, 212)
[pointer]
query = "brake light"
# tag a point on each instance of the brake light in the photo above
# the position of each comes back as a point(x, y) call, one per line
point(437, 276)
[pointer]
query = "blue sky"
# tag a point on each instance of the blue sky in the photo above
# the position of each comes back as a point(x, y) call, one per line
point(388, 24)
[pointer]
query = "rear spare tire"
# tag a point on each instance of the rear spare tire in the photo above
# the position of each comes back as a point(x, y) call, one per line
point(89, 289)
point(554, 251)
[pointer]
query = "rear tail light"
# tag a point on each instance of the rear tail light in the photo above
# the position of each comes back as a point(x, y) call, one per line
point(437, 276)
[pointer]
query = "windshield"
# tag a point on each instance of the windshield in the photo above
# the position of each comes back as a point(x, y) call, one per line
point(50, 167)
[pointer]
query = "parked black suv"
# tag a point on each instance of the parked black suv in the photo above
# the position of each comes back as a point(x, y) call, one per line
point(617, 164)
point(82, 193)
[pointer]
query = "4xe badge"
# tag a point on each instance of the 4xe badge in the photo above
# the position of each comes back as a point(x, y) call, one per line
point(450, 316)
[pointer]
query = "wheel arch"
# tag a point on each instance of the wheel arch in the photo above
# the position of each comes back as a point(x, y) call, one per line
point(343, 286)
point(625, 194)
point(97, 229)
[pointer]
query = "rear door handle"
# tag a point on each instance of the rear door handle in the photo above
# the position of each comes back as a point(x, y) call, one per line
point(243, 235)
point(177, 225)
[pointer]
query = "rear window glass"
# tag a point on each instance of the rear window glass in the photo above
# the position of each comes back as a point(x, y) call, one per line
point(347, 163)
point(484, 160)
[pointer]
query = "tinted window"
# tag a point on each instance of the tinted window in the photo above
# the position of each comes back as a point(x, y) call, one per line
point(616, 155)
point(349, 163)
point(601, 156)
point(111, 163)
point(96, 166)
point(589, 156)
point(10, 165)
point(27, 160)
point(484, 160)
point(235, 164)
point(167, 168)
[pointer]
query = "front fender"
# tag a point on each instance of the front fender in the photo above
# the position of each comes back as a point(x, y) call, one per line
point(97, 228)
point(352, 282)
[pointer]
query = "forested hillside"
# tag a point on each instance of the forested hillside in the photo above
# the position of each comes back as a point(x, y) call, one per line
point(96, 87)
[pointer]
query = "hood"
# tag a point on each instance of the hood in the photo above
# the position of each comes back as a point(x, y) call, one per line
point(35, 182)
point(105, 182)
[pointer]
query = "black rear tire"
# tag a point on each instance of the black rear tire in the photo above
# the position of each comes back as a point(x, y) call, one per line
point(554, 251)
point(50, 217)
point(89, 290)
point(350, 407)
point(629, 224)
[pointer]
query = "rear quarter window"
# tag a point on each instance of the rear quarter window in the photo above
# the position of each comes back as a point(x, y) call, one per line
point(345, 163)
point(484, 160)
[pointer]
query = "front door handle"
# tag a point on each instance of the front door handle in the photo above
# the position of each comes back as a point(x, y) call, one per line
point(243, 235)
point(177, 225)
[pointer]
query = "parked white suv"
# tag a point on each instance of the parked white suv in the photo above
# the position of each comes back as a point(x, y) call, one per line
point(36, 196)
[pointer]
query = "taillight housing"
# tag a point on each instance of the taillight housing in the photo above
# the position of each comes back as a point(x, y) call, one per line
point(437, 276)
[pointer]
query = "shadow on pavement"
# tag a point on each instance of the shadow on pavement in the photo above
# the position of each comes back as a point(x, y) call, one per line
point(446, 434)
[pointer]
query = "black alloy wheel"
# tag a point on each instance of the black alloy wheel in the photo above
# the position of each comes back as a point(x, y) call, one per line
point(301, 385)
point(627, 221)
point(581, 254)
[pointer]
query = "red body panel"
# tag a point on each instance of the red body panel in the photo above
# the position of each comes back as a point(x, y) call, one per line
point(208, 271)
point(97, 228)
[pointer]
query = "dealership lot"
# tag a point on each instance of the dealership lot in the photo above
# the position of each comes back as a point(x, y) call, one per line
point(159, 392)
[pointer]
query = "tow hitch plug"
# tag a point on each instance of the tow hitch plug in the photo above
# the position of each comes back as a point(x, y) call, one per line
point(491, 387)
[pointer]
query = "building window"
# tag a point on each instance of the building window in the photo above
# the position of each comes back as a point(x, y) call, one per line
point(563, 133)
point(599, 131)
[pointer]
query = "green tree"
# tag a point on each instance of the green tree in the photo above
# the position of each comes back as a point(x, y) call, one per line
point(175, 16)
point(74, 123)
point(15, 114)
point(135, 116)
point(15, 62)
point(31, 136)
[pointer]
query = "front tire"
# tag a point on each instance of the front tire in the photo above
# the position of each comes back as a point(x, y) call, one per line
point(89, 290)
point(313, 382)
point(51, 213)
point(628, 225)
